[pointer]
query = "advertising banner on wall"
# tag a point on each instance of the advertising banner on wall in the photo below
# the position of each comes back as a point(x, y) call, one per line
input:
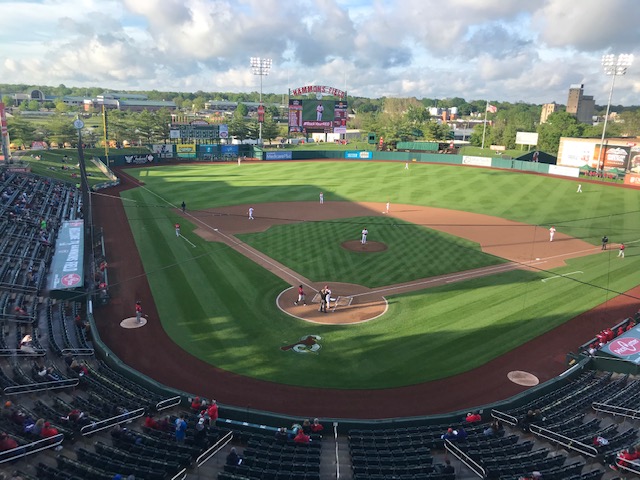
point(626, 346)
point(285, 155)
point(186, 150)
point(526, 138)
point(614, 157)
point(360, 154)
point(229, 149)
point(632, 179)
point(575, 154)
point(476, 161)
point(66, 265)
point(162, 151)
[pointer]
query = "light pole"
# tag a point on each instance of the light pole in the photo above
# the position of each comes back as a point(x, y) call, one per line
point(261, 67)
point(613, 66)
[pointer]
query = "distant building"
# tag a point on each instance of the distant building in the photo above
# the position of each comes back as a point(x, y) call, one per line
point(579, 105)
point(134, 102)
point(548, 109)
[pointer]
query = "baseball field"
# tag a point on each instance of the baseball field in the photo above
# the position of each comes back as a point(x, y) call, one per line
point(465, 273)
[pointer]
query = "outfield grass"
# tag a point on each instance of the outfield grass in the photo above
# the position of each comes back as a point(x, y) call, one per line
point(220, 306)
point(413, 251)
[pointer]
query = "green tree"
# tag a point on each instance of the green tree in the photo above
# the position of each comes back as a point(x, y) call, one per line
point(62, 107)
point(21, 131)
point(241, 110)
point(62, 130)
point(559, 124)
point(269, 129)
point(198, 103)
point(238, 126)
point(7, 100)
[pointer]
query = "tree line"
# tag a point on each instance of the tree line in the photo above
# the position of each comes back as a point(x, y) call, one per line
point(396, 119)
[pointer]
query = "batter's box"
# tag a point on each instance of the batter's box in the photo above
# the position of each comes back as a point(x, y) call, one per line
point(341, 302)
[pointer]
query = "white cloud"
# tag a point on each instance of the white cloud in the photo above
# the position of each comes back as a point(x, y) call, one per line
point(499, 49)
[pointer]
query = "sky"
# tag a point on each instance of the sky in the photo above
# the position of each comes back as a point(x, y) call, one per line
point(500, 50)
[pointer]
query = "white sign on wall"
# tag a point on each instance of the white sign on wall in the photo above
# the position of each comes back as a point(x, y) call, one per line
point(526, 138)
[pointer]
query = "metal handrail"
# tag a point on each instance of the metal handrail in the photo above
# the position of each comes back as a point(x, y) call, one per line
point(31, 448)
point(616, 410)
point(504, 417)
point(474, 466)
point(95, 427)
point(21, 353)
point(565, 441)
point(335, 436)
point(629, 469)
point(181, 475)
point(78, 351)
point(168, 403)
point(213, 449)
point(39, 387)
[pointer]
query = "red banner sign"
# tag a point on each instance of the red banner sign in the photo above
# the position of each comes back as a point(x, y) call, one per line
point(321, 89)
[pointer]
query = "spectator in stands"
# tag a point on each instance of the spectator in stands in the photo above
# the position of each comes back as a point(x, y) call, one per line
point(600, 442)
point(196, 404)
point(200, 436)
point(181, 428)
point(527, 421)
point(282, 435)
point(534, 476)
point(631, 324)
point(302, 437)
point(45, 373)
point(26, 344)
point(37, 428)
point(78, 367)
point(316, 427)
point(165, 424)
point(212, 411)
point(493, 430)
point(473, 417)
point(233, 458)
point(48, 431)
point(151, 422)
point(306, 426)
point(7, 443)
point(448, 435)
point(620, 331)
point(624, 457)
point(77, 417)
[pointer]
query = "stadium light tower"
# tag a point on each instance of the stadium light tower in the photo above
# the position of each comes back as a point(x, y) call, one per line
point(261, 67)
point(613, 66)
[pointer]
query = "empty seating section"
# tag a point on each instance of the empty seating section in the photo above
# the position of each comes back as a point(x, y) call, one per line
point(268, 458)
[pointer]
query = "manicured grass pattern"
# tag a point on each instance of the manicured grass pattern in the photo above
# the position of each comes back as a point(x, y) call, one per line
point(220, 306)
point(313, 250)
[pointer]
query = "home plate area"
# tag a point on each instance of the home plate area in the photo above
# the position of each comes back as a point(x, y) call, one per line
point(334, 303)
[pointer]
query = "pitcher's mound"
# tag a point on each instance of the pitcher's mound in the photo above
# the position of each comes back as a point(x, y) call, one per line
point(131, 322)
point(356, 246)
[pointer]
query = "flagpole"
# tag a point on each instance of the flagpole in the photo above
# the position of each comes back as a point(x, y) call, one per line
point(484, 128)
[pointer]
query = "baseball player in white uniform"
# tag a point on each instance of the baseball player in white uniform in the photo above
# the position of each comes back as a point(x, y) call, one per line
point(321, 198)
point(552, 232)
point(365, 232)
point(250, 213)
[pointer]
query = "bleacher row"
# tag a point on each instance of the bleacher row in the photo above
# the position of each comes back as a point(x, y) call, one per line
point(404, 453)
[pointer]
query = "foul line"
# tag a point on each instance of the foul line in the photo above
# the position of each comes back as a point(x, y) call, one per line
point(187, 240)
point(456, 277)
point(560, 276)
